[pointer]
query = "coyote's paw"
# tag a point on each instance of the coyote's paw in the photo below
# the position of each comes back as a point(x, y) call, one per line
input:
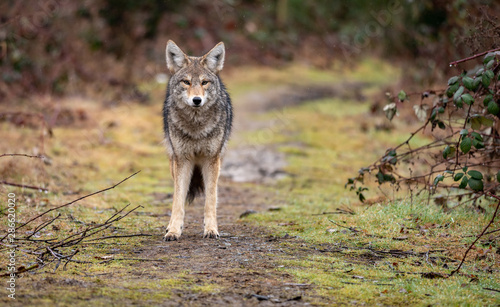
point(172, 236)
point(211, 233)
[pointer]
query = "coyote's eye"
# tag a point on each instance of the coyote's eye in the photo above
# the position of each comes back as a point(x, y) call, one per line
point(204, 83)
point(186, 82)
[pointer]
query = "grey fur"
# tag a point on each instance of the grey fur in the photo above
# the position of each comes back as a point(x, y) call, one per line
point(196, 132)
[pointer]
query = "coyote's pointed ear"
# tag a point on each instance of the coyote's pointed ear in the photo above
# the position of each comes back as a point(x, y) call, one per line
point(176, 59)
point(214, 59)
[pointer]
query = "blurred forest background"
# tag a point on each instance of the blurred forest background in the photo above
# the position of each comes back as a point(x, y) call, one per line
point(84, 47)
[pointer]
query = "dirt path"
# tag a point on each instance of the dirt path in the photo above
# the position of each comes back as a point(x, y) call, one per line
point(244, 262)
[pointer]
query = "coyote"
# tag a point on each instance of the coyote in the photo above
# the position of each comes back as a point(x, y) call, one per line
point(197, 119)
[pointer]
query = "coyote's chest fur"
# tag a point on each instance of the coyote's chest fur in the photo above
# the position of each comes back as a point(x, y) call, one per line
point(196, 132)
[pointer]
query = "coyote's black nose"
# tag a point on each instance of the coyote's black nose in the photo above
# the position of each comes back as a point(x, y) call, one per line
point(197, 101)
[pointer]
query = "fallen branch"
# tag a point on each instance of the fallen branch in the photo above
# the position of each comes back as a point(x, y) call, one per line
point(131, 259)
point(23, 186)
point(22, 155)
point(346, 227)
point(76, 200)
point(90, 231)
point(63, 251)
point(42, 226)
point(118, 236)
point(491, 289)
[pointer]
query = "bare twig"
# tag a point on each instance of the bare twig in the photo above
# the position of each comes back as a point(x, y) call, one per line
point(74, 201)
point(24, 186)
point(118, 236)
point(346, 227)
point(43, 225)
point(491, 289)
point(22, 155)
point(479, 236)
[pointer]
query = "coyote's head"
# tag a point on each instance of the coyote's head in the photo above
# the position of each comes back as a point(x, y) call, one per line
point(195, 80)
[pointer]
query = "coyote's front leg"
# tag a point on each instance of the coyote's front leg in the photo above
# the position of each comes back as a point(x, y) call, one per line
point(210, 170)
point(182, 171)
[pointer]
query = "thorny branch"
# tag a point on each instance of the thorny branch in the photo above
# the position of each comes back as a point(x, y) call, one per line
point(454, 63)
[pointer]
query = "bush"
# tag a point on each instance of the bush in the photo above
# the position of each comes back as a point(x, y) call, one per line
point(463, 157)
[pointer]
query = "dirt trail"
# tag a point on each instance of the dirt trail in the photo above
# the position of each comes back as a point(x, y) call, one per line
point(245, 261)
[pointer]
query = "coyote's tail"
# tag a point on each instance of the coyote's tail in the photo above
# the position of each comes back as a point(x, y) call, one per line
point(196, 186)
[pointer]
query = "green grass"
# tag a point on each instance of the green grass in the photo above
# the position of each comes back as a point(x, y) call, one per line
point(325, 144)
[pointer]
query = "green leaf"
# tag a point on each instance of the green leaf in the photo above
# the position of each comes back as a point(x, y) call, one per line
point(441, 125)
point(438, 179)
point(433, 114)
point(465, 168)
point(485, 80)
point(476, 83)
point(480, 72)
point(475, 123)
point(475, 184)
point(493, 108)
point(380, 177)
point(477, 136)
point(498, 176)
point(488, 57)
point(446, 151)
point(464, 132)
point(441, 110)
point(490, 64)
point(452, 89)
point(487, 99)
point(467, 98)
point(458, 93)
point(489, 74)
point(487, 122)
point(458, 176)
point(466, 145)
point(479, 145)
point(469, 83)
point(449, 151)
point(453, 80)
point(475, 174)
point(463, 183)
point(402, 96)
point(389, 178)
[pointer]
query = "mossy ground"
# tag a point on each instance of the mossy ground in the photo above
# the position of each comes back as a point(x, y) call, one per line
point(293, 254)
